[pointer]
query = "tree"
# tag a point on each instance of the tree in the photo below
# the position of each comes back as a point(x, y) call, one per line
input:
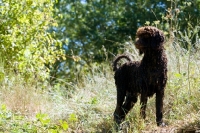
point(89, 25)
point(26, 45)
point(97, 29)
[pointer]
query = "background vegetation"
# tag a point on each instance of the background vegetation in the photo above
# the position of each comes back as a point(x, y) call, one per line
point(55, 64)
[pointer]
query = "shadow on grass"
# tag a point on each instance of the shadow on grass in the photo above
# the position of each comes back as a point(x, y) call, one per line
point(111, 127)
point(107, 126)
point(190, 128)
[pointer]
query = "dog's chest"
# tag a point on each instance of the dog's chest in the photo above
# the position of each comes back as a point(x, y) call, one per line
point(152, 76)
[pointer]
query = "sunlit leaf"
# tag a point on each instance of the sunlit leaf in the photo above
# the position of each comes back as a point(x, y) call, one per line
point(72, 117)
point(64, 125)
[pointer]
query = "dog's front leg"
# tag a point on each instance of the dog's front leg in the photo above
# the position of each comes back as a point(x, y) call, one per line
point(143, 102)
point(159, 107)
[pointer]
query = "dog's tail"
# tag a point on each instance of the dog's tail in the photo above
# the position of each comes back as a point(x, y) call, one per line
point(118, 58)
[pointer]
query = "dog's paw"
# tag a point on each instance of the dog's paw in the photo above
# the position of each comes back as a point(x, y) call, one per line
point(122, 127)
point(161, 124)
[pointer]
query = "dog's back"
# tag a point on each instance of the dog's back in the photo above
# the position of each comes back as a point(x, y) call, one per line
point(126, 73)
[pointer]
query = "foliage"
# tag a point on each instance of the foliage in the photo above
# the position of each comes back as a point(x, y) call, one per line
point(97, 30)
point(11, 122)
point(93, 29)
point(26, 45)
point(182, 22)
point(94, 25)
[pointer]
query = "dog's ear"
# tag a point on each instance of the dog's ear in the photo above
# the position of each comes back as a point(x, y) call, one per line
point(157, 40)
point(160, 37)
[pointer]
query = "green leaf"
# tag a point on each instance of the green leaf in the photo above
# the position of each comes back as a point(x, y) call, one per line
point(3, 107)
point(177, 75)
point(64, 125)
point(43, 118)
point(73, 118)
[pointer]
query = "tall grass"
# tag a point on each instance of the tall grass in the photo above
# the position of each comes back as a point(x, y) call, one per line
point(93, 102)
point(90, 107)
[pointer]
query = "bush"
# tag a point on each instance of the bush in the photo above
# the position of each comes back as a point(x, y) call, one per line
point(26, 45)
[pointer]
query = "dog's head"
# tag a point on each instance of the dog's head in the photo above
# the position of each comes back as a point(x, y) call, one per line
point(149, 37)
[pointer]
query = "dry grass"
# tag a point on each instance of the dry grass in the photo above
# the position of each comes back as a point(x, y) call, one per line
point(27, 100)
point(93, 102)
point(24, 100)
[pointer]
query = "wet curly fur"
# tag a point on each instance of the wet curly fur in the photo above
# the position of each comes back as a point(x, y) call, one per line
point(142, 78)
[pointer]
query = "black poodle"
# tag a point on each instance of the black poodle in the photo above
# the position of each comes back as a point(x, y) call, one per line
point(142, 78)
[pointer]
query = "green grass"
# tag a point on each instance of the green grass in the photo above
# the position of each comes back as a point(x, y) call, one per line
point(90, 107)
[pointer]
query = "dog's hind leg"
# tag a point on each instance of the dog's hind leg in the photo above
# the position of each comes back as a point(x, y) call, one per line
point(143, 102)
point(129, 102)
point(119, 113)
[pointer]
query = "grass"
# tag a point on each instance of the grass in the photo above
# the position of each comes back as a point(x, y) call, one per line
point(25, 108)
